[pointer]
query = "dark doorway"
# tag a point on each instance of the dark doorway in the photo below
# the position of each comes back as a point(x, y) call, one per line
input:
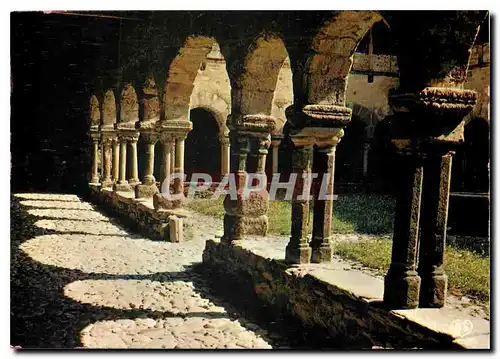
point(202, 146)
point(349, 155)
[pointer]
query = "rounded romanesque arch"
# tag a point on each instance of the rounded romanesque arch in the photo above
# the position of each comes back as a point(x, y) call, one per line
point(182, 74)
point(109, 109)
point(333, 47)
point(257, 90)
point(129, 106)
point(94, 112)
point(150, 101)
point(283, 95)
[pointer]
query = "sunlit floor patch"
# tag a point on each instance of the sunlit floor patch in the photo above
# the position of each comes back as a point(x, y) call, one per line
point(171, 333)
point(57, 204)
point(73, 226)
point(119, 255)
point(48, 196)
point(80, 215)
point(175, 297)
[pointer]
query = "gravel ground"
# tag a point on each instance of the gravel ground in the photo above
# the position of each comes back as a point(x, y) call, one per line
point(80, 280)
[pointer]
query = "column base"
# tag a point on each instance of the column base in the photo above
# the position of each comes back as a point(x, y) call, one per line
point(322, 254)
point(160, 202)
point(107, 184)
point(433, 289)
point(134, 182)
point(95, 180)
point(122, 187)
point(146, 190)
point(233, 228)
point(297, 255)
point(401, 288)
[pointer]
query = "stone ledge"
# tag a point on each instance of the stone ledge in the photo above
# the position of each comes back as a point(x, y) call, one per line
point(137, 213)
point(336, 301)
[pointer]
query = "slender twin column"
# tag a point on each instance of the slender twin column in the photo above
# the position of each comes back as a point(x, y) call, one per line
point(107, 140)
point(148, 187)
point(275, 143)
point(125, 139)
point(95, 158)
point(134, 173)
point(247, 214)
point(324, 165)
point(323, 133)
point(116, 160)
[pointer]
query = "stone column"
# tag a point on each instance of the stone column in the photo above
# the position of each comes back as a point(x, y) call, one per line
point(179, 164)
point(148, 187)
point(95, 158)
point(402, 283)
point(298, 250)
point(436, 187)
point(321, 242)
point(106, 157)
point(122, 184)
point(116, 159)
point(134, 173)
point(225, 157)
point(275, 143)
point(366, 150)
point(248, 213)
point(172, 158)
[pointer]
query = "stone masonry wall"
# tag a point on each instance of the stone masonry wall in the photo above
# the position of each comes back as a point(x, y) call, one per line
point(323, 310)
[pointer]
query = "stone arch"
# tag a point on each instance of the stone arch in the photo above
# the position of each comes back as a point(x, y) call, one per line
point(129, 106)
point(213, 103)
point(283, 95)
point(256, 88)
point(109, 109)
point(95, 112)
point(182, 74)
point(327, 69)
point(150, 101)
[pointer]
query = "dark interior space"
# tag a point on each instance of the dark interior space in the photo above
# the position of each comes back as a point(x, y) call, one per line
point(55, 61)
point(202, 146)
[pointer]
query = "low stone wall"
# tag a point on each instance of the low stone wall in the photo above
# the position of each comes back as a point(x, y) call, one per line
point(137, 214)
point(329, 314)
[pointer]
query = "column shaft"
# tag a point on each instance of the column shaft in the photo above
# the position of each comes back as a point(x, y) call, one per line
point(225, 156)
point(106, 155)
point(179, 165)
point(402, 284)
point(436, 194)
point(134, 174)
point(324, 164)
point(298, 250)
point(95, 160)
point(123, 162)
point(116, 160)
point(150, 163)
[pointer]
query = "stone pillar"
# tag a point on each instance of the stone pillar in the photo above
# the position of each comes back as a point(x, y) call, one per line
point(402, 283)
point(225, 156)
point(298, 250)
point(116, 159)
point(122, 184)
point(436, 187)
point(172, 158)
point(321, 242)
point(247, 214)
point(148, 187)
point(107, 140)
point(179, 164)
point(275, 143)
point(134, 174)
point(95, 158)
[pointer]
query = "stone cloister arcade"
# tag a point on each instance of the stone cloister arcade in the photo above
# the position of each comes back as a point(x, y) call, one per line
point(288, 88)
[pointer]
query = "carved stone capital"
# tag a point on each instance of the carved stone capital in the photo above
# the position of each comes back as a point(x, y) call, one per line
point(322, 137)
point(128, 135)
point(177, 128)
point(150, 137)
point(319, 116)
point(254, 125)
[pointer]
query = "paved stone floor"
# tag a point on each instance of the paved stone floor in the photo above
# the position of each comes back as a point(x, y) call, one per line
point(80, 280)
